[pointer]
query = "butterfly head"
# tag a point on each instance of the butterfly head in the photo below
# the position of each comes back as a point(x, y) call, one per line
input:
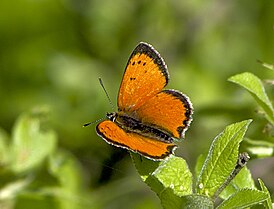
point(111, 116)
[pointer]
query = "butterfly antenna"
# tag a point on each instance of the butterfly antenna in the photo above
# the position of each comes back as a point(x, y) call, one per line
point(101, 83)
point(89, 123)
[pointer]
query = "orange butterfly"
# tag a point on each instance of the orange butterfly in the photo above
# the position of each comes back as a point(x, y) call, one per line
point(148, 117)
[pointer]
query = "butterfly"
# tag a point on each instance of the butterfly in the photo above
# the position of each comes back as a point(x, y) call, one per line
point(149, 118)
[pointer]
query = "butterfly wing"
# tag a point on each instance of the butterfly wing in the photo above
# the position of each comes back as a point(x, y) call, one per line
point(141, 95)
point(169, 110)
point(148, 147)
point(145, 75)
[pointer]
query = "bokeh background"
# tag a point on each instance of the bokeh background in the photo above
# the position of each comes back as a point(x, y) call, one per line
point(52, 53)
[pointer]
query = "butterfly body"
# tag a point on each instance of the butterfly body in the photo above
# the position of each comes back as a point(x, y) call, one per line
point(130, 124)
point(148, 117)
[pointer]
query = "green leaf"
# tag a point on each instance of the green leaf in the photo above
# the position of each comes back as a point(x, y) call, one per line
point(199, 164)
point(242, 180)
point(170, 178)
point(169, 200)
point(196, 202)
point(11, 190)
point(259, 148)
point(267, 203)
point(174, 173)
point(193, 201)
point(36, 199)
point(266, 65)
point(32, 142)
point(243, 198)
point(144, 166)
point(66, 169)
point(254, 85)
point(221, 159)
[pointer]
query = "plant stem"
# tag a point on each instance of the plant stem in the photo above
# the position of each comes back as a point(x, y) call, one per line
point(242, 160)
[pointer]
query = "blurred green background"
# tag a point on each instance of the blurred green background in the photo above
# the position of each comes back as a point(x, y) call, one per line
point(53, 52)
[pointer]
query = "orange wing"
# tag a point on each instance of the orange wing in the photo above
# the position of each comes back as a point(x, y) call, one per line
point(169, 110)
point(145, 75)
point(148, 147)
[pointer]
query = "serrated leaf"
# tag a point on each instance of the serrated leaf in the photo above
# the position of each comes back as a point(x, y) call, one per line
point(242, 180)
point(31, 143)
point(243, 198)
point(254, 85)
point(169, 178)
point(174, 173)
point(221, 159)
point(267, 203)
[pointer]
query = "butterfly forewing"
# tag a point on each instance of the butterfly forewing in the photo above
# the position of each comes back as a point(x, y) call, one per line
point(145, 75)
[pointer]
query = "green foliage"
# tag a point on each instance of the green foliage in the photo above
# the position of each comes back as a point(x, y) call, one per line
point(241, 181)
point(221, 159)
point(254, 85)
point(172, 180)
point(172, 174)
point(33, 144)
point(268, 204)
point(27, 138)
point(259, 148)
point(267, 65)
point(196, 201)
point(243, 198)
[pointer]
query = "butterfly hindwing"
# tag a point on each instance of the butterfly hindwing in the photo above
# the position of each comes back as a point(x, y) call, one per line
point(148, 147)
point(170, 110)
